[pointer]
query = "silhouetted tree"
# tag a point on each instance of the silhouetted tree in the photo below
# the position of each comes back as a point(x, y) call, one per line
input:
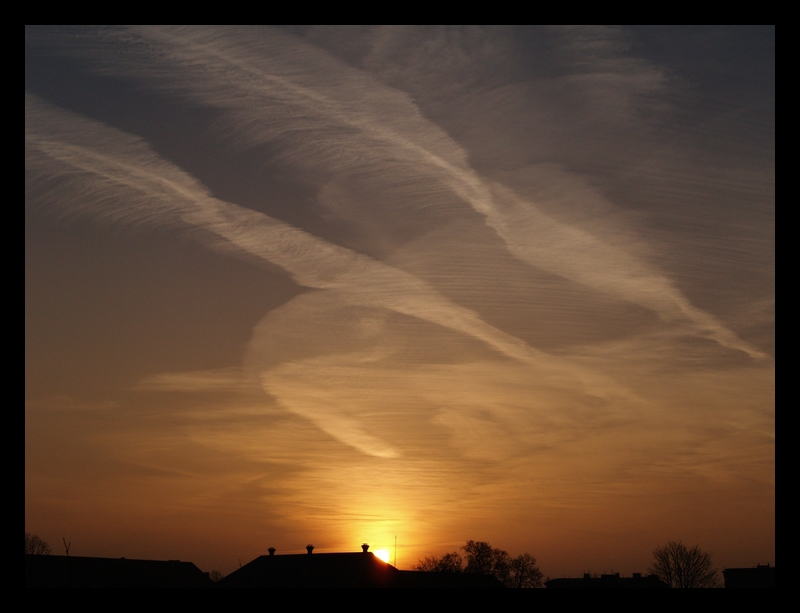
point(36, 545)
point(680, 566)
point(524, 572)
point(215, 575)
point(448, 563)
point(483, 559)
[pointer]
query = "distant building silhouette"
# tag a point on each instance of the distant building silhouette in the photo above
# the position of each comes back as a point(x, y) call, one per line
point(760, 576)
point(611, 581)
point(72, 571)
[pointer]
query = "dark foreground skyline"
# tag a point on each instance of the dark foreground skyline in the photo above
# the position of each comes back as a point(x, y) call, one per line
point(340, 285)
point(356, 570)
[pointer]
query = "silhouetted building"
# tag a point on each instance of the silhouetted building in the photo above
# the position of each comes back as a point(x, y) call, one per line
point(355, 570)
point(72, 571)
point(760, 576)
point(636, 581)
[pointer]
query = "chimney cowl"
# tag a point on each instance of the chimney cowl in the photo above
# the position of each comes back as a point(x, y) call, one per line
point(271, 551)
point(309, 549)
point(365, 547)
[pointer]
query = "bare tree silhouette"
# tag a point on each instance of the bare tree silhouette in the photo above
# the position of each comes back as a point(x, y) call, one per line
point(681, 566)
point(524, 572)
point(448, 563)
point(36, 545)
point(483, 559)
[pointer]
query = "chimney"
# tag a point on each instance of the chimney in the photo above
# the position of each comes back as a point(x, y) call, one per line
point(271, 551)
point(365, 548)
point(309, 549)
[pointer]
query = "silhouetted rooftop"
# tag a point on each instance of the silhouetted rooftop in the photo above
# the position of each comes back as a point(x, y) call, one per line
point(608, 581)
point(354, 570)
point(312, 570)
point(760, 576)
point(75, 571)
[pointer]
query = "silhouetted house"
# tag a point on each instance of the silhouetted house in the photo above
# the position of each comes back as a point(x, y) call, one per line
point(760, 576)
point(353, 570)
point(636, 581)
point(72, 571)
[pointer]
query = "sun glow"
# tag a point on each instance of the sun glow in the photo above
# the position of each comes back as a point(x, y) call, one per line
point(382, 554)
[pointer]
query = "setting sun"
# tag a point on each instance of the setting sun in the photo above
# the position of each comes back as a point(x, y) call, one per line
point(382, 554)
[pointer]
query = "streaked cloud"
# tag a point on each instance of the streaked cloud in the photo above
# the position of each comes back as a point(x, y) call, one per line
point(354, 125)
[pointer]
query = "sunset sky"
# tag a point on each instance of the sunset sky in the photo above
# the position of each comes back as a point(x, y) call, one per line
point(337, 285)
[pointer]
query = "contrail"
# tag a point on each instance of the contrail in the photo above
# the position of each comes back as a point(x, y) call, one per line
point(333, 116)
point(83, 167)
point(121, 179)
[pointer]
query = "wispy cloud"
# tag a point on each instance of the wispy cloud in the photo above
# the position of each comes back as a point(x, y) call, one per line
point(220, 380)
point(123, 181)
point(115, 176)
point(341, 121)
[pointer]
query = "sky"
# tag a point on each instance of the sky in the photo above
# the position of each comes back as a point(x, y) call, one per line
point(336, 285)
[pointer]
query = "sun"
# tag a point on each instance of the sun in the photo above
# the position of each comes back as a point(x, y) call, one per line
point(382, 554)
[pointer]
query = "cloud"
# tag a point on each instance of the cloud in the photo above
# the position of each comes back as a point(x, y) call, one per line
point(201, 381)
point(329, 117)
point(342, 122)
point(406, 380)
point(116, 177)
